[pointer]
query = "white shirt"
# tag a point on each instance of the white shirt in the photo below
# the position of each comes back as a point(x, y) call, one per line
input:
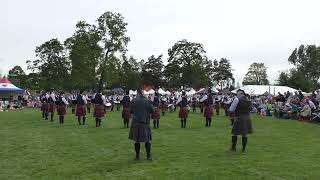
point(204, 98)
point(234, 104)
point(179, 100)
point(84, 99)
point(53, 96)
point(64, 100)
point(312, 106)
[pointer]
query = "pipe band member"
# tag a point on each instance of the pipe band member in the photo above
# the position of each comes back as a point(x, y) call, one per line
point(140, 130)
point(81, 112)
point(100, 101)
point(51, 104)
point(156, 113)
point(62, 104)
point(126, 115)
point(242, 126)
point(183, 113)
point(208, 111)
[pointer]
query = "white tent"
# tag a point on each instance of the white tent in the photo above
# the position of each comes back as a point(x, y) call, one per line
point(131, 92)
point(161, 91)
point(168, 93)
point(262, 89)
point(191, 92)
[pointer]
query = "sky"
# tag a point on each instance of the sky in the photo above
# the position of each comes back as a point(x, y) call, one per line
point(243, 31)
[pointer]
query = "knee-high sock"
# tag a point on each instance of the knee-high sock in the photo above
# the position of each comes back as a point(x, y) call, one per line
point(154, 123)
point(79, 120)
point(137, 149)
point(46, 115)
point(232, 122)
point(185, 122)
point(210, 121)
point(43, 114)
point(158, 123)
point(244, 142)
point(124, 123)
point(207, 122)
point(234, 142)
point(181, 123)
point(62, 119)
point(97, 122)
point(83, 120)
point(51, 116)
point(163, 112)
point(148, 149)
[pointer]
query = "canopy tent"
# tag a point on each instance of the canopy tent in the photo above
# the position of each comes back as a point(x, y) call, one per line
point(131, 92)
point(263, 89)
point(204, 90)
point(150, 92)
point(191, 92)
point(7, 87)
point(168, 93)
point(161, 91)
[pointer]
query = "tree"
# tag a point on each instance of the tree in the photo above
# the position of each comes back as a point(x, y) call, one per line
point(51, 65)
point(84, 54)
point(256, 75)
point(152, 71)
point(17, 76)
point(222, 73)
point(131, 74)
point(191, 59)
point(112, 29)
point(172, 73)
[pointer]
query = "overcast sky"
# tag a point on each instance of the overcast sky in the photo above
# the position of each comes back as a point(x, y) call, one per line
point(244, 31)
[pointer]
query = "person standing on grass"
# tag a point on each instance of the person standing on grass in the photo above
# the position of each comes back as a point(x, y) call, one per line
point(183, 113)
point(126, 115)
point(81, 112)
point(140, 130)
point(156, 112)
point(62, 104)
point(44, 105)
point(208, 111)
point(242, 125)
point(100, 101)
point(51, 104)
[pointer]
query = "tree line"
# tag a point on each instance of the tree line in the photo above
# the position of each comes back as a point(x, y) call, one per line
point(95, 56)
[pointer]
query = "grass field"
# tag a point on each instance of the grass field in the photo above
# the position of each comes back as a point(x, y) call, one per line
point(32, 148)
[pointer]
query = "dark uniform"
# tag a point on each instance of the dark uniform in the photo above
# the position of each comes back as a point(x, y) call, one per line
point(44, 106)
point(51, 106)
point(194, 104)
point(217, 105)
point(156, 112)
point(140, 130)
point(89, 103)
point(126, 115)
point(164, 106)
point(98, 109)
point(208, 111)
point(183, 113)
point(81, 109)
point(61, 108)
point(242, 125)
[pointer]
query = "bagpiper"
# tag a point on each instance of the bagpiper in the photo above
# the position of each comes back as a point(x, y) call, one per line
point(156, 110)
point(51, 104)
point(183, 113)
point(164, 105)
point(99, 101)
point(194, 104)
point(126, 115)
point(242, 125)
point(44, 105)
point(208, 111)
point(62, 104)
point(81, 102)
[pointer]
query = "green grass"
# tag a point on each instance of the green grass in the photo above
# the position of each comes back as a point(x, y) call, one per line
point(31, 148)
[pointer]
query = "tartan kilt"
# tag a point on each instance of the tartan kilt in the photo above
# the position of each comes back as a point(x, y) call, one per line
point(242, 125)
point(44, 107)
point(81, 110)
point(126, 113)
point(140, 132)
point(156, 114)
point(51, 107)
point(98, 111)
point(183, 113)
point(61, 110)
point(208, 112)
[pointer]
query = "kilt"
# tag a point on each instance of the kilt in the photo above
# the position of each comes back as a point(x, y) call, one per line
point(98, 111)
point(126, 113)
point(51, 107)
point(81, 110)
point(208, 112)
point(242, 125)
point(183, 113)
point(156, 114)
point(61, 110)
point(140, 132)
point(44, 107)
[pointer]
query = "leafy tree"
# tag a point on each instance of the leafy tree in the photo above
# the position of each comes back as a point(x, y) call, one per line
point(173, 74)
point(17, 76)
point(152, 71)
point(256, 75)
point(131, 74)
point(112, 29)
point(51, 65)
point(222, 73)
point(84, 53)
point(191, 59)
